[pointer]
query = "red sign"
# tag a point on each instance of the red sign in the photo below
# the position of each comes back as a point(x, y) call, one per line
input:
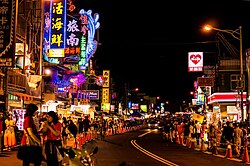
point(225, 97)
point(205, 81)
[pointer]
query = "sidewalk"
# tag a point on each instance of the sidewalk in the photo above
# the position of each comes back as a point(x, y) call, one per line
point(9, 158)
point(221, 152)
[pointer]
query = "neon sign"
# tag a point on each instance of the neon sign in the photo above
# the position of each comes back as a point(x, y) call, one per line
point(57, 28)
point(72, 49)
point(88, 27)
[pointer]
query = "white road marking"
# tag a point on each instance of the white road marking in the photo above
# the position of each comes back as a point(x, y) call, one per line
point(144, 134)
point(162, 160)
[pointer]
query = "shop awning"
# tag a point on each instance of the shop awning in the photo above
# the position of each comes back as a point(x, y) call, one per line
point(225, 97)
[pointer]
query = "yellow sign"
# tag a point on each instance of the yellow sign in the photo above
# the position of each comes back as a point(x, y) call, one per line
point(105, 95)
point(105, 106)
point(106, 75)
point(56, 53)
point(198, 117)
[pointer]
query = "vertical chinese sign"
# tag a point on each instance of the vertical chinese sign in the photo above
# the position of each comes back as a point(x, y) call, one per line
point(105, 91)
point(72, 46)
point(8, 21)
point(72, 49)
point(57, 28)
point(88, 45)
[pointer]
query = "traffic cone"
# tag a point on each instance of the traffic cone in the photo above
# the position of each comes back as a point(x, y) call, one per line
point(229, 153)
point(245, 156)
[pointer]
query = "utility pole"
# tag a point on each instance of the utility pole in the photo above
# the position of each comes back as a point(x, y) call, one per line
point(126, 85)
point(6, 88)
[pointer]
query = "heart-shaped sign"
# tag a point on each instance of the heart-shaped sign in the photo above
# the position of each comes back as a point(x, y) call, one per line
point(195, 58)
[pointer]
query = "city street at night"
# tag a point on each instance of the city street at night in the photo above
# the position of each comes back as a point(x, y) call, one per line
point(124, 83)
point(145, 147)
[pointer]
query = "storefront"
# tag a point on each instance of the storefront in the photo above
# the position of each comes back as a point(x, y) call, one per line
point(226, 105)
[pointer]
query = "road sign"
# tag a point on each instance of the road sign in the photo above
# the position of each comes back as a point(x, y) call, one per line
point(205, 81)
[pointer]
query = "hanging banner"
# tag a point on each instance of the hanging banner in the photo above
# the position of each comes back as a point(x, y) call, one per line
point(8, 17)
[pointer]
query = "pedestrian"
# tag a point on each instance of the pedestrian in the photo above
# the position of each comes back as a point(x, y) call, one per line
point(31, 130)
point(238, 134)
point(227, 132)
point(86, 125)
point(53, 145)
point(9, 133)
point(198, 132)
point(71, 132)
point(64, 134)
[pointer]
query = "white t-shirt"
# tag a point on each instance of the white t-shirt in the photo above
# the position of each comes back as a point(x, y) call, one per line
point(198, 127)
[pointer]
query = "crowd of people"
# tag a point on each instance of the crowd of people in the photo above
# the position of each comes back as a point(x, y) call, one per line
point(214, 134)
point(54, 132)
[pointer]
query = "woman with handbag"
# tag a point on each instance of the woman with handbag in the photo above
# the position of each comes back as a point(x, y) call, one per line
point(53, 145)
point(30, 139)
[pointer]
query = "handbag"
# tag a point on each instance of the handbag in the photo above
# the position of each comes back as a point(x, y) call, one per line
point(59, 155)
point(31, 152)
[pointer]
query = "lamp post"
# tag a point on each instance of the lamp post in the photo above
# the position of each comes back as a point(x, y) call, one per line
point(237, 34)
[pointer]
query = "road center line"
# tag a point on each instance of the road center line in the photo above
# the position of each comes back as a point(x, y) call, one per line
point(144, 134)
point(169, 163)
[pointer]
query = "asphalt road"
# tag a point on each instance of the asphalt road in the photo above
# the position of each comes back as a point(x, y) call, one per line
point(144, 147)
point(147, 148)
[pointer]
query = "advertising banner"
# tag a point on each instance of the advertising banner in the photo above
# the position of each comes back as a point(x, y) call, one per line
point(20, 119)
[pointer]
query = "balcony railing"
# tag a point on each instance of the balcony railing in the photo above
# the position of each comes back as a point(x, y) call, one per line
point(17, 81)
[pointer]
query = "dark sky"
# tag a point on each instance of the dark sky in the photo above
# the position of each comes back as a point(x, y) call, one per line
point(146, 43)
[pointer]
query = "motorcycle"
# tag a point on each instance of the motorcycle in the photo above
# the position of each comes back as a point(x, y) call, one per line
point(83, 156)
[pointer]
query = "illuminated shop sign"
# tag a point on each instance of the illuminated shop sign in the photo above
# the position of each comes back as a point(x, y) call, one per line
point(91, 94)
point(200, 99)
point(69, 34)
point(105, 95)
point(57, 28)
point(135, 106)
point(106, 75)
point(73, 35)
point(225, 97)
point(88, 45)
point(195, 61)
point(47, 53)
point(7, 32)
point(83, 60)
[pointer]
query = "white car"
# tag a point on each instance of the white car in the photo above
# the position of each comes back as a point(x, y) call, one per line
point(153, 124)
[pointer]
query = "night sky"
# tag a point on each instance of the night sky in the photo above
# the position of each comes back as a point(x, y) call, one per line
point(146, 43)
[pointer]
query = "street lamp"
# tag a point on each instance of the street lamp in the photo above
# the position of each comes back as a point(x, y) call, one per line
point(237, 34)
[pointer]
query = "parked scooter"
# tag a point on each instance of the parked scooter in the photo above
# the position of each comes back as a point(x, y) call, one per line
point(83, 156)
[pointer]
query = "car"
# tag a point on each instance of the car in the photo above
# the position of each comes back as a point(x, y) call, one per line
point(161, 125)
point(153, 124)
